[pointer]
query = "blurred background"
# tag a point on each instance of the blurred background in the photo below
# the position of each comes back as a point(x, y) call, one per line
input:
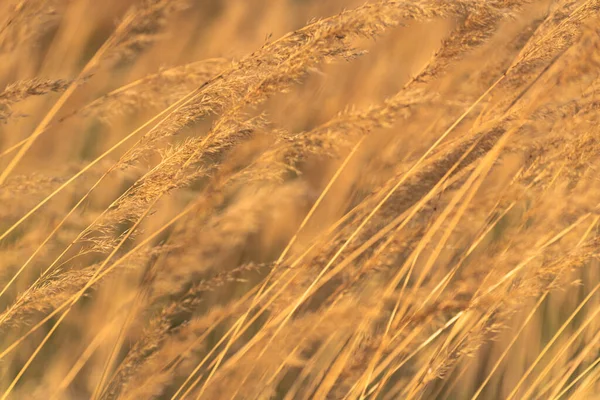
point(528, 196)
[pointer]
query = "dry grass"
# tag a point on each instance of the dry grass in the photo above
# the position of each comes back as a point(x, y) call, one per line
point(216, 199)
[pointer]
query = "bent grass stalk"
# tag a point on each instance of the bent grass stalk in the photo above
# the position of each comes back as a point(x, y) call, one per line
point(175, 106)
point(60, 103)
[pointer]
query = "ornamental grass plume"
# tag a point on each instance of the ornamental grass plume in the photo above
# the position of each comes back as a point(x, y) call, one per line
point(218, 199)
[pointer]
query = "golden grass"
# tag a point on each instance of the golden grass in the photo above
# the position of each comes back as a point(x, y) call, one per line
point(217, 199)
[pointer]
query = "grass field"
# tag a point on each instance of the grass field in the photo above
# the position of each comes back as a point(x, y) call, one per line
point(299, 199)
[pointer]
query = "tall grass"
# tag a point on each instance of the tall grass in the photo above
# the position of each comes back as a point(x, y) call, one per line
point(218, 199)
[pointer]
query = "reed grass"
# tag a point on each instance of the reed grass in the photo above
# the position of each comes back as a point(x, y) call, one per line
point(217, 199)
